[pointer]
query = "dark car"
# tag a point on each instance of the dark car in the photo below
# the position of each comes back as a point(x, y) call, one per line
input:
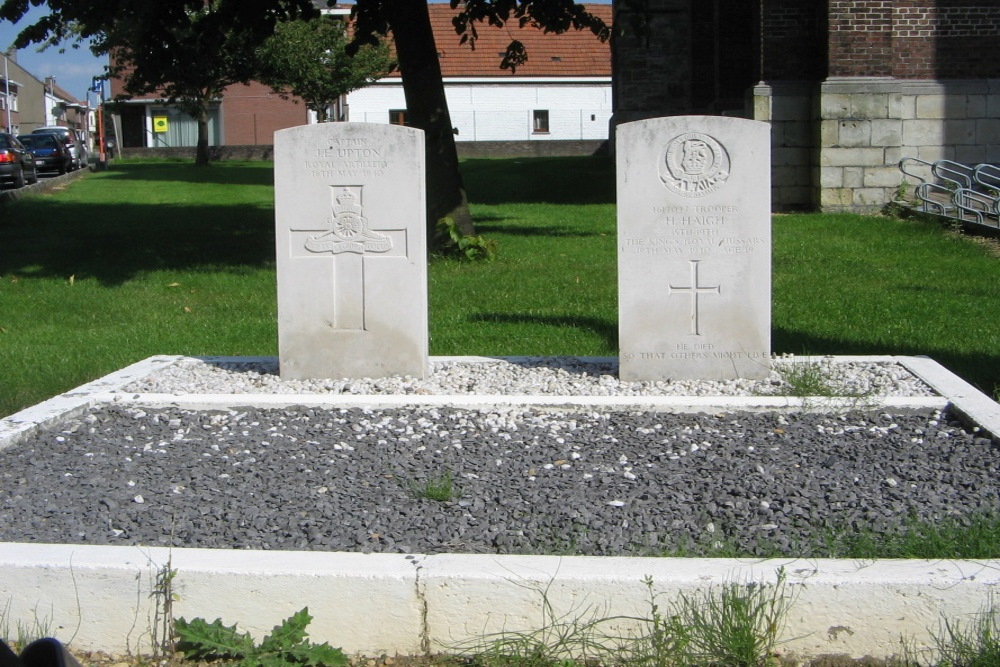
point(71, 141)
point(17, 164)
point(50, 152)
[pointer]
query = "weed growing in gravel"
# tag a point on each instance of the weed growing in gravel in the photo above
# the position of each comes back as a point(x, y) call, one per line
point(813, 378)
point(440, 488)
point(973, 536)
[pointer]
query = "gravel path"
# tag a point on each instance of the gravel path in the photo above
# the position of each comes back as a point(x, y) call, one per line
point(522, 481)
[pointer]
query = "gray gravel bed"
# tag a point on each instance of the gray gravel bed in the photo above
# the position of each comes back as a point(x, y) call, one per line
point(567, 376)
point(523, 481)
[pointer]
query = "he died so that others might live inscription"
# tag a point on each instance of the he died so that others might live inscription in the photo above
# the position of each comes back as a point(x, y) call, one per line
point(693, 166)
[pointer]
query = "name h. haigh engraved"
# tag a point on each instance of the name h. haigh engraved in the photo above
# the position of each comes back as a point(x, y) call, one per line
point(694, 291)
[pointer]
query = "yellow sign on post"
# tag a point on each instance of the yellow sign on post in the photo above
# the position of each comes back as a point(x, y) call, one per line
point(160, 124)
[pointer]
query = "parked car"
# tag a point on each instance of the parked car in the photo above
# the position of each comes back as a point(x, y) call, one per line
point(51, 154)
point(76, 149)
point(17, 164)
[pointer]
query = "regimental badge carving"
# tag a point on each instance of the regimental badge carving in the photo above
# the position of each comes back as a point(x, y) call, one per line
point(349, 231)
point(694, 165)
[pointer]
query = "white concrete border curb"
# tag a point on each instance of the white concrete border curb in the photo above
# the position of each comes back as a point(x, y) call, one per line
point(105, 597)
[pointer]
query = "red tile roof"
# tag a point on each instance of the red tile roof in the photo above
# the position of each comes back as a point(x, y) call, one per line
point(573, 53)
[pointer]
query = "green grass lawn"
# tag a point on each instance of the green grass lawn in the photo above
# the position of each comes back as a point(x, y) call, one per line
point(165, 258)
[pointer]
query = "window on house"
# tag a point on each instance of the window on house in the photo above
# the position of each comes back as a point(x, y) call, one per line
point(398, 117)
point(540, 122)
point(177, 128)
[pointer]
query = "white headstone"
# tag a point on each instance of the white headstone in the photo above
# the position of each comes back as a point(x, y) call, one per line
point(351, 251)
point(694, 248)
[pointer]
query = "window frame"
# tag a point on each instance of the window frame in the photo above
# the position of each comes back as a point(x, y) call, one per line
point(540, 121)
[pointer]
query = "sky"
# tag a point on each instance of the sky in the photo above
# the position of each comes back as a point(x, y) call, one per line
point(74, 69)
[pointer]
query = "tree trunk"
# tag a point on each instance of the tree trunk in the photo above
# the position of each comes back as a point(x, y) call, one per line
point(427, 109)
point(201, 157)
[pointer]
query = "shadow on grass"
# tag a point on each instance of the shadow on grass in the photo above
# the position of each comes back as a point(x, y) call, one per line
point(113, 243)
point(981, 371)
point(525, 230)
point(608, 330)
point(228, 173)
point(552, 180)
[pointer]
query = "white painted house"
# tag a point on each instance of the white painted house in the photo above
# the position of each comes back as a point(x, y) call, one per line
point(562, 93)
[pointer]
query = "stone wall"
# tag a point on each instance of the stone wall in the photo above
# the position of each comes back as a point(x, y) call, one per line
point(867, 126)
point(914, 39)
point(790, 109)
point(188, 152)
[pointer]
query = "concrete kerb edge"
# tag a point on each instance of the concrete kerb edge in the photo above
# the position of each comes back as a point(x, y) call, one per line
point(23, 424)
point(105, 597)
point(976, 408)
point(42, 185)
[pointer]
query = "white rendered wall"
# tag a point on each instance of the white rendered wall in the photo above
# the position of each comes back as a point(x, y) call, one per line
point(502, 112)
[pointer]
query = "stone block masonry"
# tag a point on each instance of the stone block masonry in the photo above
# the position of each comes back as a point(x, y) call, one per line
point(869, 125)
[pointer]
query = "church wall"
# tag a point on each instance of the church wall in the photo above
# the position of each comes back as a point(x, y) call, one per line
point(907, 78)
point(849, 86)
point(651, 58)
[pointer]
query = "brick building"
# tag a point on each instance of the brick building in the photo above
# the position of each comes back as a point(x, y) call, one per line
point(849, 86)
point(245, 115)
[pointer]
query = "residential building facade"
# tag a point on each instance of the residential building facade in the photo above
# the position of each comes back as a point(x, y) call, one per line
point(27, 103)
point(562, 93)
point(245, 115)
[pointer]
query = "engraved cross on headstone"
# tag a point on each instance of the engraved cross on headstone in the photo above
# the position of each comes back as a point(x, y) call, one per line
point(694, 290)
point(352, 243)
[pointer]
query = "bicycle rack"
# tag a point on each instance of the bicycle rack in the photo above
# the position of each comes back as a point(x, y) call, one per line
point(959, 192)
